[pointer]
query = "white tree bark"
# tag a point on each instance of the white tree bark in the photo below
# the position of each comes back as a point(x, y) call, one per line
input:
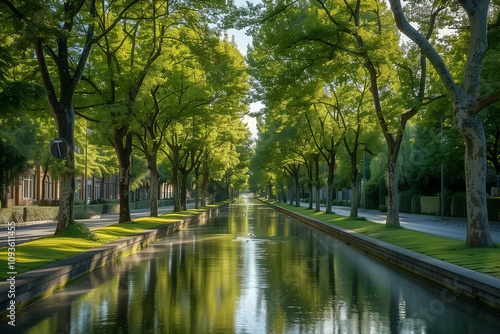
point(465, 100)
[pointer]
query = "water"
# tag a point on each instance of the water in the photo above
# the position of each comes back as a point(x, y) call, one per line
point(251, 270)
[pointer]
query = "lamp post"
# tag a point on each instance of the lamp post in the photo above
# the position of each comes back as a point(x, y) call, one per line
point(442, 173)
point(86, 177)
point(364, 181)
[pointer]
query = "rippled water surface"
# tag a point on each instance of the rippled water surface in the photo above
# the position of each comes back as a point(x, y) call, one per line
point(251, 270)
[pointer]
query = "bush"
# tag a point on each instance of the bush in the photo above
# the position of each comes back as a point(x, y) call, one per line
point(6, 214)
point(372, 201)
point(382, 208)
point(80, 212)
point(78, 230)
point(35, 213)
point(494, 208)
point(459, 205)
point(416, 205)
point(405, 201)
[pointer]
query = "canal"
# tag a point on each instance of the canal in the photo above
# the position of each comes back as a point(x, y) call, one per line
point(251, 269)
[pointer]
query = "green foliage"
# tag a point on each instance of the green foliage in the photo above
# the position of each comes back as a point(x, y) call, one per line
point(424, 171)
point(372, 194)
point(416, 204)
point(494, 209)
point(459, 203)
point(405, 201)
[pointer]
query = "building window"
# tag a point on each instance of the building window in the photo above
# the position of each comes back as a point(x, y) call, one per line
point(112, 190)
point(89, 189)
point(49, 188)
point(28, 186)
point(97, 190)
point(105, 185)
point(78, 185)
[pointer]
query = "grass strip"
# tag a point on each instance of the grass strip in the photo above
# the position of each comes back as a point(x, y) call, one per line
point(483, 260)
point(37, 253)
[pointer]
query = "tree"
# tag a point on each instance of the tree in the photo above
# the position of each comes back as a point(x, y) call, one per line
point(466, 106)
point(64, 31)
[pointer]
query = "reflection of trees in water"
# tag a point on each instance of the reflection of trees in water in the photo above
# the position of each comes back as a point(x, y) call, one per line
point(199, 280)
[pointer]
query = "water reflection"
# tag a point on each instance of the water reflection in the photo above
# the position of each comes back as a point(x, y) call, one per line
point(251, 270)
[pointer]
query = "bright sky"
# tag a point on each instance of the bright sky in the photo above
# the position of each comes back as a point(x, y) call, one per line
point(242, 41)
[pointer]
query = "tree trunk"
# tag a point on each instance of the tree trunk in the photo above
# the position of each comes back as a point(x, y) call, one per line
point(354, 187)
point(471, 129)
point(204, 184)
point(66, 200)
point(270, 189)
point(44, 178)
point(65, 119)
point(183, 190)
point(297, 190)
point(175, 189)
point(391, 175)
point(310, 186)
point(123, 152)
point(318, 184)
point(283, 191)
point(155, 179)
point(3, 197)
point(331, 176)
point(196, 187)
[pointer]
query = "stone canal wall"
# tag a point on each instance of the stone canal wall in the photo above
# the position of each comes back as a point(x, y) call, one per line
point(42, 281)
point(472, 285)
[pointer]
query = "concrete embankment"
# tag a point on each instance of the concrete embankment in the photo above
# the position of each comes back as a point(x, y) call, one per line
point(472, 285)
point(39, 282)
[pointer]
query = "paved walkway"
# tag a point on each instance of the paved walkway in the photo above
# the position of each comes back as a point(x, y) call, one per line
point(449, 227)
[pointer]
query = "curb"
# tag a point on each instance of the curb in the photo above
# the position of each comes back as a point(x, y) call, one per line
point(37, 283)
point(472, 285)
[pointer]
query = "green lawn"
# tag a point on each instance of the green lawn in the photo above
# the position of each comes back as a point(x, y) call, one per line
point(484, 260)
point(37, 253)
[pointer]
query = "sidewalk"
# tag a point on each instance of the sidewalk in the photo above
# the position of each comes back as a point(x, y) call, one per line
point(449, 227)
point(31, 230)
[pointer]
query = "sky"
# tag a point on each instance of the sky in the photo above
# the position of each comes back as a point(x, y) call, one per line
point(242, 41)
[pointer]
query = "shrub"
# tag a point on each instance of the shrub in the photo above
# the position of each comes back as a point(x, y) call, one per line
point(459, 205)
point(382, 208)
point(494, 208)
point(78, 230)
point(372, 190)
point(405, 201)
point(35, 213)
point(415, 204)
point(142, 204)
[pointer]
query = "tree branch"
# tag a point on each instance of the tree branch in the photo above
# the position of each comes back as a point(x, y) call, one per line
point(484, 102)
point(426, 48)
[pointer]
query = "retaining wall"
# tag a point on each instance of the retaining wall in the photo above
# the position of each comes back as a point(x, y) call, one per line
point(470, 284)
